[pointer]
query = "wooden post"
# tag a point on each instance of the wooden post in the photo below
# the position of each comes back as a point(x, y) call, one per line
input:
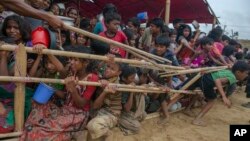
point(214, 22)
point(167, 11)
point(19, 99)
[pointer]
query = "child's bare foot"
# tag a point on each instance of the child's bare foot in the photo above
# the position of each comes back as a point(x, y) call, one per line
point(199, 122)
point(163, 120)
point(189, 113)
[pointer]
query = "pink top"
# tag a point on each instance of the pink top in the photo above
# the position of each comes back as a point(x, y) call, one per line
point(119, 37)
point(219, 46)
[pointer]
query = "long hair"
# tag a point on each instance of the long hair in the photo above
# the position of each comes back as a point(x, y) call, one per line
point(24, 27)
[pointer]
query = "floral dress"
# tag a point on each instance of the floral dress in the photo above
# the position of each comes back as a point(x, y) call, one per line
point(50, 122)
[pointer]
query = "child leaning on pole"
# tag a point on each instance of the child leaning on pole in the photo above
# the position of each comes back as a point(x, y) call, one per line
point(217, 79)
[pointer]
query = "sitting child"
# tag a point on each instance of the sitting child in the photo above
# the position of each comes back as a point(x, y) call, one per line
point(133, 104)
point(108, 104)
point(52, 122)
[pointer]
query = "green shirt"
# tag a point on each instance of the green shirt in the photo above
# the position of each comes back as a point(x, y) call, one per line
point(224, 74)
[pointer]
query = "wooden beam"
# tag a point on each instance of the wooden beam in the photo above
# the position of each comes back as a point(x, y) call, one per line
point(9, 135)
point(167, 11)
point(91, 56)
point(19, 98)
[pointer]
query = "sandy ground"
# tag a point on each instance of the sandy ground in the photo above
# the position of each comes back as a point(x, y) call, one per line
point(180, 128)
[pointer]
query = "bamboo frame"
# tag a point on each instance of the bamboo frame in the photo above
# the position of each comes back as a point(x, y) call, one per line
point(19, 96)
point(9, 135)
point(89, 56)
point(120, 87)
point(109, 41)
point(167, 11)
point(194, 71)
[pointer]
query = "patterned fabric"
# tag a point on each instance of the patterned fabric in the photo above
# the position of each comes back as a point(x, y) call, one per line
point(50, 122)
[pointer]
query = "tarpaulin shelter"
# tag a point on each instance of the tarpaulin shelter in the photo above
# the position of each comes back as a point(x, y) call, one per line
point(186, 9)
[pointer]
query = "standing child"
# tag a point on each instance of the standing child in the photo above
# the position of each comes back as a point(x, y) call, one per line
point(112, 22)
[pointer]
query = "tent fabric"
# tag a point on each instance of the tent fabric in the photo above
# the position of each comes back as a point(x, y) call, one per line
point(188, 10)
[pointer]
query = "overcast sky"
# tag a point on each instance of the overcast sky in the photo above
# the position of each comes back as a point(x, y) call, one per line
point(235, 14)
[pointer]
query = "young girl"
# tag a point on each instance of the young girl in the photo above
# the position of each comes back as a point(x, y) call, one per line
point(51, 122)
point(185, 51)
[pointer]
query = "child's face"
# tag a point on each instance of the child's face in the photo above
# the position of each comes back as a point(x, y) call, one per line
point(208, 47)
point(51, 68)
point(112, 70)
point(141, 31)
point(160, 49)
point(225, 43)
point(55, 10)
point(173, 38)
point(77, 64)
point(113, 26)
point(154, 28)
point(186, 32)
point(143, 79)
point(63, 38)
point(81, 39)
point(132, 27)
point(241, 75)
point(130, 79)
point(13, 31)
point(72, 13)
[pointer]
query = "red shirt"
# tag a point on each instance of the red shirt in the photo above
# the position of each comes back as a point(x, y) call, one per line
point(119, 37)
point(89, 91)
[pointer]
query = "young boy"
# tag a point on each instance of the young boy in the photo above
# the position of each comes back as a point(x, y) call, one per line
point(146, 42)
point(109, 106)
point(133, 104)
point(217, 79)
point(162, 44)
point(112, 22)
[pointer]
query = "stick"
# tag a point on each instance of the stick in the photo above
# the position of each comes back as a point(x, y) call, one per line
point(7, 135)
point(211, 69)
point(109, 41)
point(120, 87)
point(89, 56)
point(157, 114)
point(19, 97)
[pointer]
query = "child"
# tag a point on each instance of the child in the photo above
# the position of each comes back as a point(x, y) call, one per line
point(218, 79)
point(112, 22)
point(51, 122)
point(133, 104)
point(146, 42)
point(162, 44)
point(185, 51)
point(108, 104)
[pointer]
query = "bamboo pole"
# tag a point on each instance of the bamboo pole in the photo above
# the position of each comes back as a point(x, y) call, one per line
point(8, 135)
point(120, 87)
point(176, 97)
point(167, 11)
point(109, 41)
point(89, 56)
point(194, 71)
point(19, 98)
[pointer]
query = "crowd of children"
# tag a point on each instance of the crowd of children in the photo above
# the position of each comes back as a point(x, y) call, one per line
point(74, 108)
